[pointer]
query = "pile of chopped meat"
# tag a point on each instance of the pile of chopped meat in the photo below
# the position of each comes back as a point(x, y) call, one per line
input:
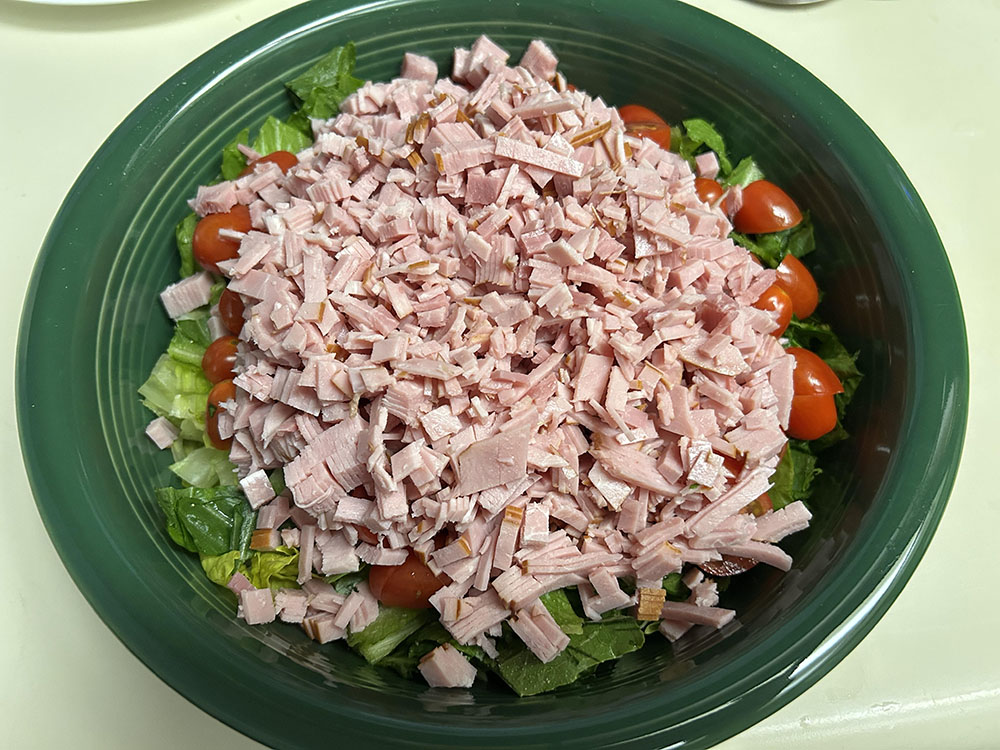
point(486, 325)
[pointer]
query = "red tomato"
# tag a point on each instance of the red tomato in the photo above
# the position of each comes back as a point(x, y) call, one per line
point(776, 300)
point(795, 279)
point(812, 416)
point(813, 376)
point(645, 123)
point(284, 159)
point(219, 358)
point(766, 208)
point(365, 534)
point(231, 310)
point(708, 190)
point(222, 391)
point(209, 248)
point(760, 506)
point(408, 585)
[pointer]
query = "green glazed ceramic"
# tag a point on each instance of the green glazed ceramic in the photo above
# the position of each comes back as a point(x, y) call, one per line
point(93, 326)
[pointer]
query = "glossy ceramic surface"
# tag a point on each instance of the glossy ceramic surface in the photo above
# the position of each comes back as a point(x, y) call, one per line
point(92, 327)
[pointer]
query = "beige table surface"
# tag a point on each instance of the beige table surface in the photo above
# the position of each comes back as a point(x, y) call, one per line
point(922, 73)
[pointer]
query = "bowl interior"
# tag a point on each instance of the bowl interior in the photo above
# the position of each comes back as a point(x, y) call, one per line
point(93, 312)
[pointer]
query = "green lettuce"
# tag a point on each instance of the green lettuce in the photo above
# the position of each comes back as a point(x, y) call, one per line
point(184, 235)
point(598, 642)
point(743, 174)
point(233, 160)
point(191, 338)
point(275, 135)
point(345, 583)
point(209, 521)
point(178, 391)
point(772, 248)
point(392, 626)
point(319, 91)
point(275, 570)
point(793, 478)
point(220, 568)
point(699, 135)
point(206, 467)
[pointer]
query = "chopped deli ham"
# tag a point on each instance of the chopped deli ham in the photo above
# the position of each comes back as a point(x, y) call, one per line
point(478, 306)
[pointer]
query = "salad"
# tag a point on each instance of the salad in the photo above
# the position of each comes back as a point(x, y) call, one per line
point(482, 375)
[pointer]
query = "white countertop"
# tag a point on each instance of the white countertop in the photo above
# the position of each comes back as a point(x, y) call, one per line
point(922, 73)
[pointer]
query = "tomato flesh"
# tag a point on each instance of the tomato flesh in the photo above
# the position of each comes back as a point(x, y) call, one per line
point(231, 311)
point(776, 300)
point(209, 248)
point(795, 279)
point(221, 392)
point(220, 358)
point(708, 190)
point(766, 208)
point(813, 376)
point(409, 585)
point(645, 123)
point(284, 159)
point(812, 416)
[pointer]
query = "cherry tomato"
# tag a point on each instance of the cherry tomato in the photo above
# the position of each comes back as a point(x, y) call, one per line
point(645, 123)
point(219, 358)
point(795, 279)
point(209, 248)
point(813, 376)
point(729, 565)
point(365, 534)
point(284, 159)
point(812, 416)
point(766, 208)
point(408, 585)
point(231, 310)
point(776, 300)
point(221, 392)
point(760, 506)
point(708, 190)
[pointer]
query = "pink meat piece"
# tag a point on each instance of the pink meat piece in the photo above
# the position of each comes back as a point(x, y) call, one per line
point(257, 606)
point(714, 617)
point(214, 199)
point(162, 432)
point(539, 631)
point(775, 526)
point(445, 666)
point(419, 67)
point(539, 59)
point(257, 488)
point(500, 459)
point(186, 295)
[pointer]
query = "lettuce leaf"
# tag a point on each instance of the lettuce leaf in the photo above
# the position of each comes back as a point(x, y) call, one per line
point(206, 467)
point(233, 160)
point(220, 568)
point(191, 338)
point(559, 606)
point(178, 391)
point(743, 174)
point(209, 521)
point(700, 135)
point(275, 135)
point(793, 478)
point(598, 642)
point(392, 626)
point(319, 91)
point(276, 570)
point(184, 234)
point(771, 248)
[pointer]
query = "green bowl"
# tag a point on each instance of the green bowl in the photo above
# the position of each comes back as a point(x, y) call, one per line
point(92, 327)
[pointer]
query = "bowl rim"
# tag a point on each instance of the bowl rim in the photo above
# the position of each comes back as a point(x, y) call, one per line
point(854, 607)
